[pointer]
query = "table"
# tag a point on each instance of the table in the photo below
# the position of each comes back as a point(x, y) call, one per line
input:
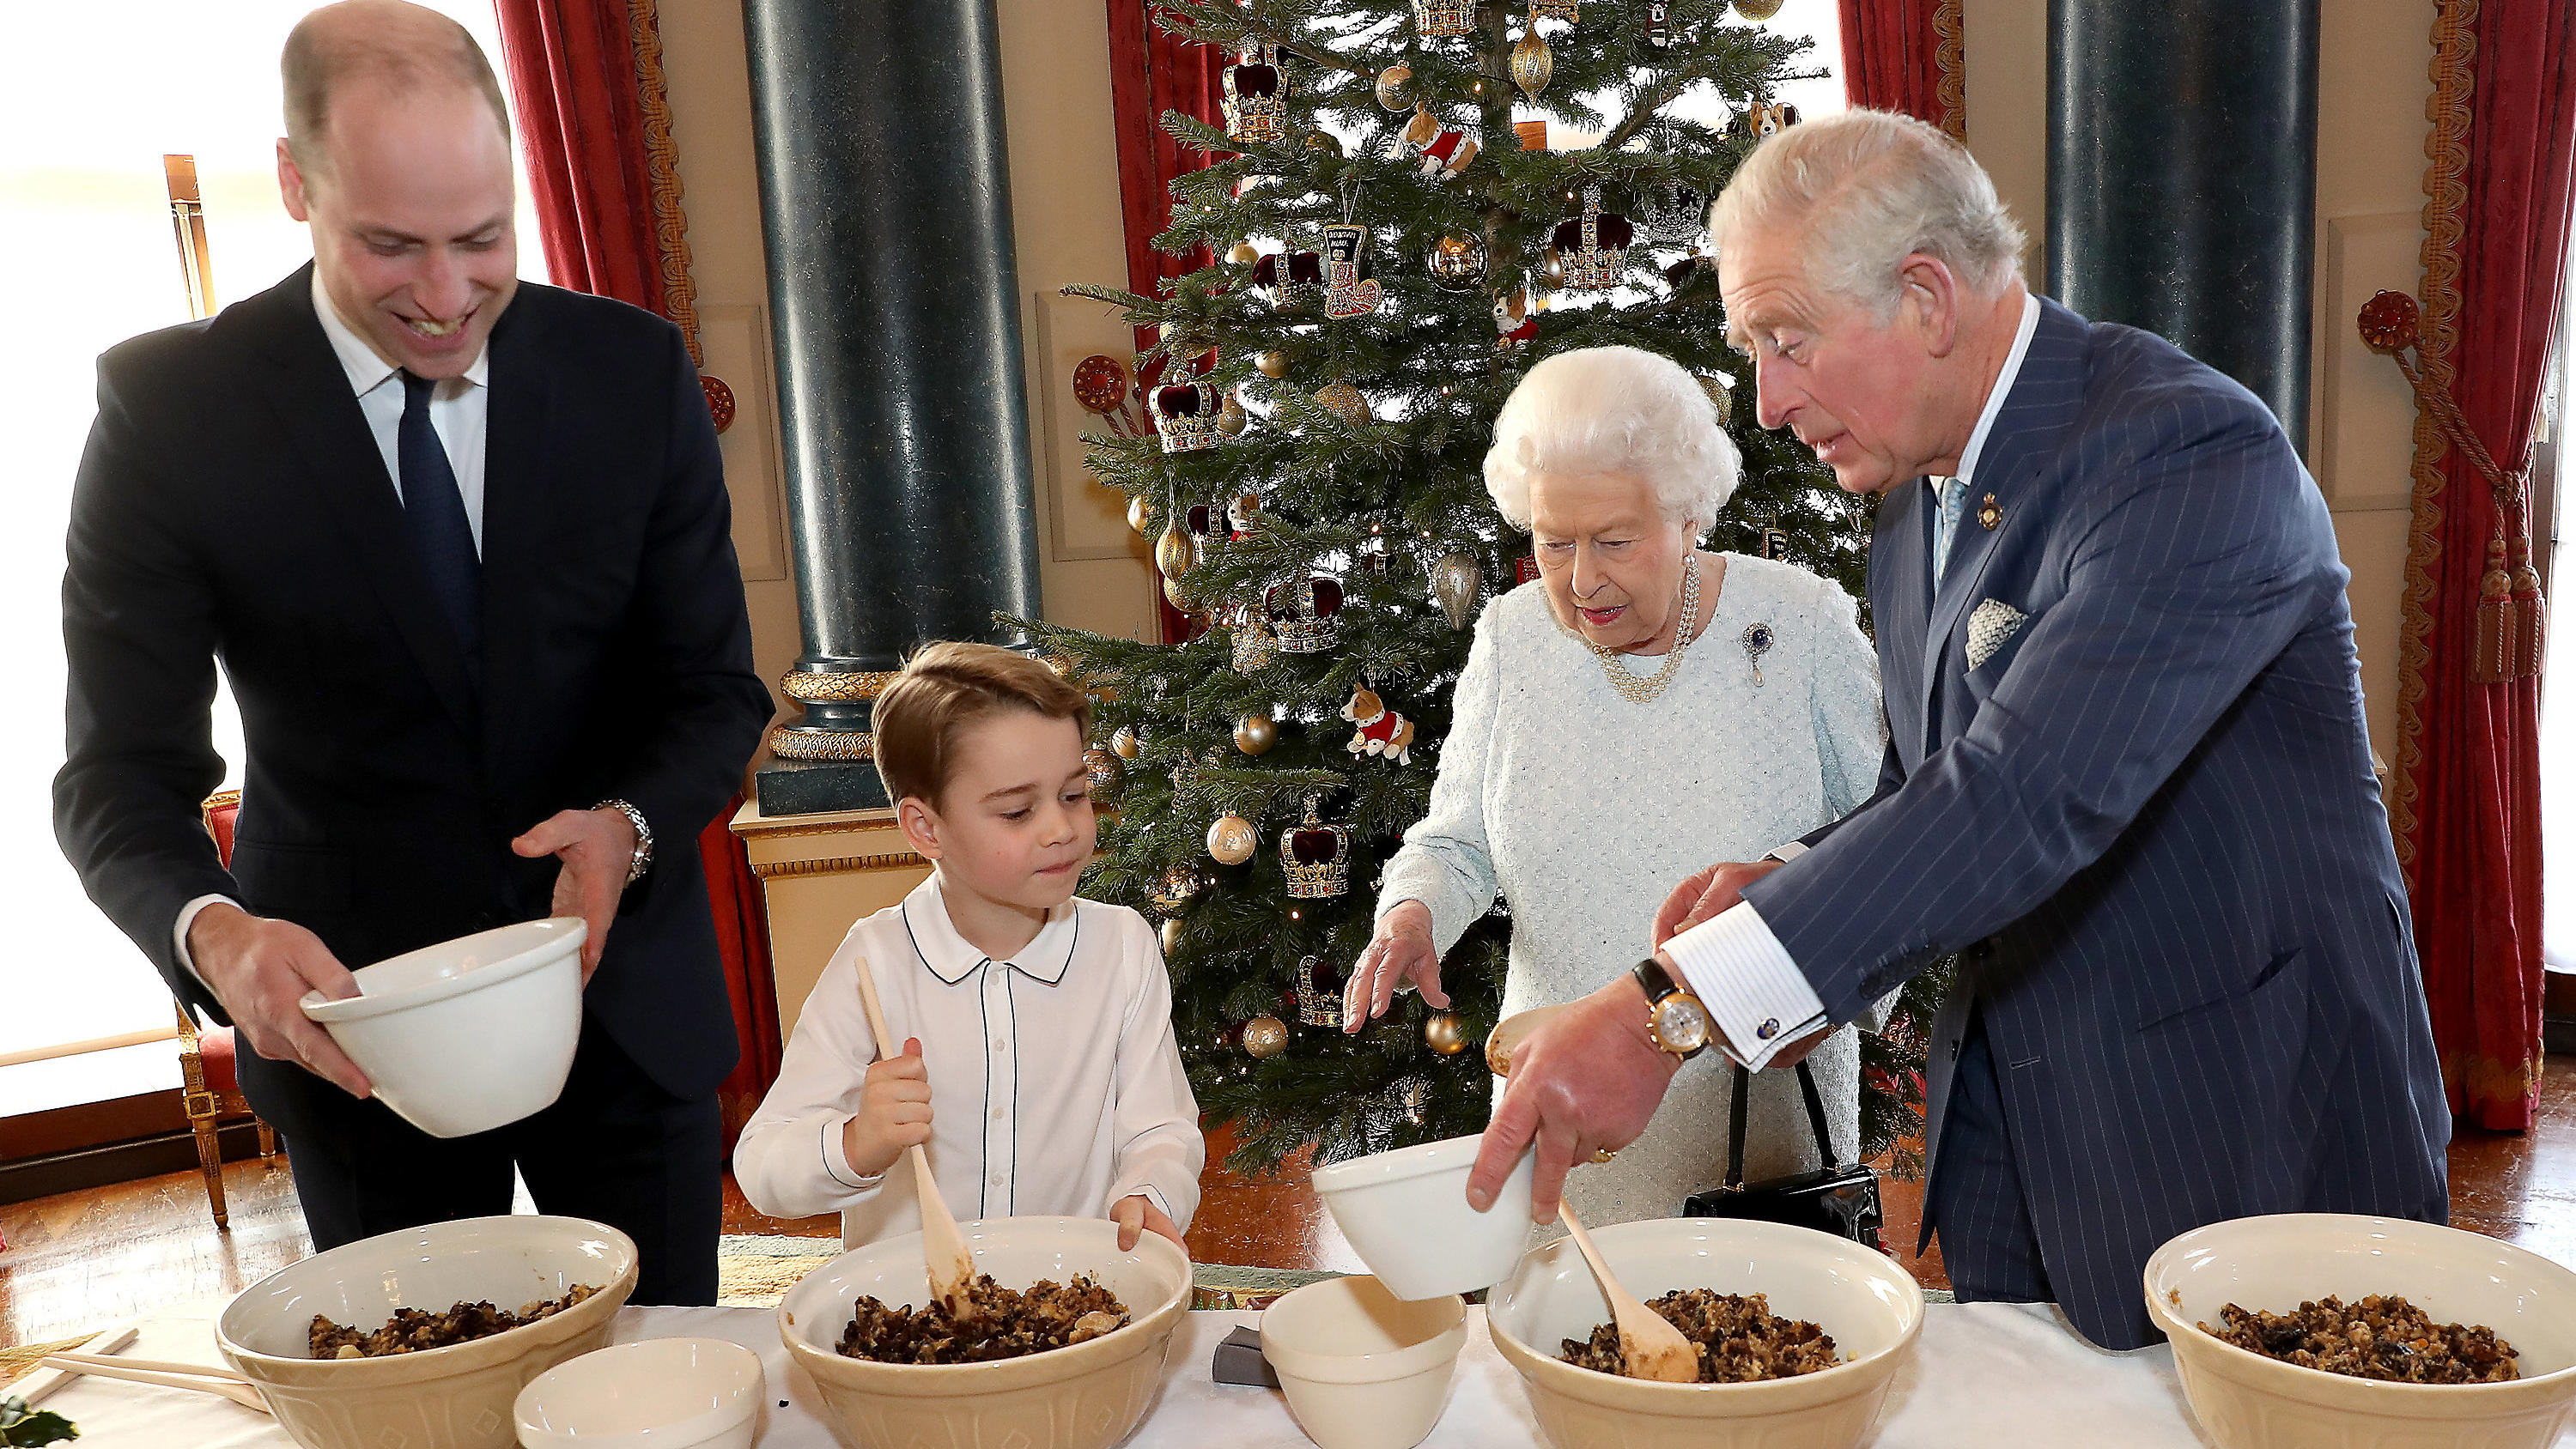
point(1984, 1374)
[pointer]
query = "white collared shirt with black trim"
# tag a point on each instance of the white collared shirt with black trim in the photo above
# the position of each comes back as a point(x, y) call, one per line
point(1055, 1081)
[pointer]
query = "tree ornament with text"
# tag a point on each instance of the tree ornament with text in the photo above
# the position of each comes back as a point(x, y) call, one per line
point(1384, 243)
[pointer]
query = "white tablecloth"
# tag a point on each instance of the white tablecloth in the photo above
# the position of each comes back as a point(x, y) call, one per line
point(1985, 1374)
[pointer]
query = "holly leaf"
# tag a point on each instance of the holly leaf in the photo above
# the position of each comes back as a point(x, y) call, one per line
point(22, 1427)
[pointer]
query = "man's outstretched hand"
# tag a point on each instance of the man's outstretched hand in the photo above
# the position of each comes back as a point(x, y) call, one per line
point(596, 848)
point(260, 970)
point(1701, 897)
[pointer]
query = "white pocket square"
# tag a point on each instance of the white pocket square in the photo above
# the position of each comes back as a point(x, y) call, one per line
point(1990, 628)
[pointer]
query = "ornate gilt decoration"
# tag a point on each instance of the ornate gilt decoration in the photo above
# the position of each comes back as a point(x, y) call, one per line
point(788, 742)
point(829, 688)
point(837, 865)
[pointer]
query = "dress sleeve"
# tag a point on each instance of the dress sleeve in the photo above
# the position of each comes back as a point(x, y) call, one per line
point(1446, 862)
point(790, 1161)
point(1844, 698)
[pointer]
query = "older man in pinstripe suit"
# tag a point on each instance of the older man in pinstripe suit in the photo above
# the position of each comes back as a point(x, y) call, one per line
point(2126, 782)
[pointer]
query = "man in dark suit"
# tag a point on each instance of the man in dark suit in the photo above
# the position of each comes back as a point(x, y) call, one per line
point(2126, 783)
point(463, 549)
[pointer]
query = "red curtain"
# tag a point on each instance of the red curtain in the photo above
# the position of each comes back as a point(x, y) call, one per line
point(1152, 71)
point(2476, 781)
point(581, 128)
point(582, 101)
point(1903, 55)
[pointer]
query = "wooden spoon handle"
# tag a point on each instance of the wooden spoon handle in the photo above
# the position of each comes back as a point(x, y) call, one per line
point(203, 1370)
point(241, 1394)
point(1610, 1288)
point(943, 1247)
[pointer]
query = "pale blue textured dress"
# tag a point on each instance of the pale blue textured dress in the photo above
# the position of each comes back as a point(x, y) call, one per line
point(1583, 811)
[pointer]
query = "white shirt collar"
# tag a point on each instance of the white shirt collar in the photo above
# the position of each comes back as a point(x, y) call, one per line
point(366, 370)
point(1995, 396)
point(951, 957)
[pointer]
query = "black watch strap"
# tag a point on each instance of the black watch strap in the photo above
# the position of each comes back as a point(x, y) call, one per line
point(1657, 981)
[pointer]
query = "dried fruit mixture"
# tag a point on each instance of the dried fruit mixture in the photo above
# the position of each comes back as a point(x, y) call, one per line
point(412, 1330)
point(999, 1323)
point(1738, 1339)
point(2378, 1337)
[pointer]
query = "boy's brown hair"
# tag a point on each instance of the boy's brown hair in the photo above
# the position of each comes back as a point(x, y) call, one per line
point(946, 687)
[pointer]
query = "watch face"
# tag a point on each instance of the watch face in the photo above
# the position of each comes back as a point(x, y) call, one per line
point(1679, 1023)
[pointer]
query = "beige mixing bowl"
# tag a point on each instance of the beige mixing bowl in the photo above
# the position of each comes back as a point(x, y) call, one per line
point(1088, 1396)
point(1872, 1309)
point(2247, 1401)
point(457, 1397)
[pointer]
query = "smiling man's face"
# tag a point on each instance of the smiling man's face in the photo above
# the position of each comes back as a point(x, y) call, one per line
point(412, 221)
point(1856, 389)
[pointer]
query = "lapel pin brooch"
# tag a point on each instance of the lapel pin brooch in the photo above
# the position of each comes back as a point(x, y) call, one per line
point(1990, 514)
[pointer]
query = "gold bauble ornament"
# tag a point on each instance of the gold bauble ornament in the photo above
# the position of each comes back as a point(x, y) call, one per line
point(1176, 553)
point(1178, 596)
point(1140, 515)
point(1126, 744)
point(1265, 1037)
point(1256, 732)
point(1395, 87)
point(1172, 936)
point(1323, 143)
point(1243, 254)
point(1532, 64)
point(1757, 11)
point(1232, 840)
point(1345, 402)
point(1444, 1032)
point(1231, 419)
point(1551, 268)
point(1273, 363)
point(1458, 262)
point(1108, 772)
point(1720, 394)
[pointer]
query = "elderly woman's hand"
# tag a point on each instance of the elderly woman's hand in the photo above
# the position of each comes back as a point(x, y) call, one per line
point(1401, 951)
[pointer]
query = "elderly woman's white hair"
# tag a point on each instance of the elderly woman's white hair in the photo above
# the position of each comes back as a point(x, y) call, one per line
point(1865, 189)
point(1613, 410)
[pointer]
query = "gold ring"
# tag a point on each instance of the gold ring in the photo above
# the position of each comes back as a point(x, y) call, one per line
point(1603, 1154)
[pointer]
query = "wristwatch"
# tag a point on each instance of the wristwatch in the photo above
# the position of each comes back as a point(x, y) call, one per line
point(1675, 1020)
point(642, 860)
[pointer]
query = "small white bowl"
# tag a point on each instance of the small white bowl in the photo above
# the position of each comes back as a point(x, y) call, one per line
point(1873, 1310)
point(2248, 1401)
point(470, 1034)
point(1406, 1215)
point(658, 1393)
point(1362, 1368)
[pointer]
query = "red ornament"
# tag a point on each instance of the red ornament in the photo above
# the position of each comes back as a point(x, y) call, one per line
point(720, 404)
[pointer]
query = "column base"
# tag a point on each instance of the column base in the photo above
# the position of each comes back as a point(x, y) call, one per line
point(810, 787)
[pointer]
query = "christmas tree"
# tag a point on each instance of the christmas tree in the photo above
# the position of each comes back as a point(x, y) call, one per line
point(1395, 244)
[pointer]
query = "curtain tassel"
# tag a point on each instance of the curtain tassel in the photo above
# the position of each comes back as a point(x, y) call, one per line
point(2530, 620)
point(2493, 661)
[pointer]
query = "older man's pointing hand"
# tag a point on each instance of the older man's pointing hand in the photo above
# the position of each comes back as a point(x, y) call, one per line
point(1587, 1081)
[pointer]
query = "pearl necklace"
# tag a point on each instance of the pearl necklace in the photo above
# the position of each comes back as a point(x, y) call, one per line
point(1646, 689)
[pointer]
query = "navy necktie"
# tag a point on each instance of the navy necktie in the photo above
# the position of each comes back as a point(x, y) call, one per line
point(436, 512)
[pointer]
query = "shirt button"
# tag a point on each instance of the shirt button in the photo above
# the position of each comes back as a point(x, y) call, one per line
point(1000, 1045)
point(1001, 1112)
point(997, 1179)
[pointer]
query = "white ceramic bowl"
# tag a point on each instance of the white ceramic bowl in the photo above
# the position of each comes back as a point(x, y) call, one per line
point(657, 1393)
point(1362, 1368)
point(470, 1034)
point(1406, 1215)
point(458, 1397)
point(1088, 1396)
point(1872, 1309)
point(2247, 1401)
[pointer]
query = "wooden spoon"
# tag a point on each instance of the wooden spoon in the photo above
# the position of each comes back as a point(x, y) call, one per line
point(1653, 1348)
point(952, 1265)
point(227, 1387)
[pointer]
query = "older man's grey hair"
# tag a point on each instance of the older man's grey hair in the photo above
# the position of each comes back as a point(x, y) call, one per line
point(1613, 410)
point(1864, 190)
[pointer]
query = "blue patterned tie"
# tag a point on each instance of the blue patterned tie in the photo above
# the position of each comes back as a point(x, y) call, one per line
point(436, 511)
point(1945, 524)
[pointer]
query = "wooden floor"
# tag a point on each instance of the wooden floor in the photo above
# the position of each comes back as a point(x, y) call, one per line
point(81, 1260)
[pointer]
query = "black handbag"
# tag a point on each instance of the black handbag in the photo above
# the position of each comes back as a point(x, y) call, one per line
point(1832, 1199)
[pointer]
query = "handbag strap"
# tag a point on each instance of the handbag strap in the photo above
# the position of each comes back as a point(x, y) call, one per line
point(1735, 1122)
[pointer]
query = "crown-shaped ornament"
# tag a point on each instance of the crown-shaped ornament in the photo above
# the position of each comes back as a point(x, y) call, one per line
point(1305, 614)
point(1185, 413)
point(1319, 992)
point(1255, 94)
point(1254, 645)
point(1675, 214)
point(1317, 857)
point(1435, 18)
point(1594, 244)
point(1289, 276)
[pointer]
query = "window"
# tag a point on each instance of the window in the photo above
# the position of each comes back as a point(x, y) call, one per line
point(85, 229)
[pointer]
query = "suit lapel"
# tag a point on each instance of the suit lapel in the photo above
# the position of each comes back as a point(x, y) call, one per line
point(1898, 589)
point(346, 476)
point(2028, 428)
point(516, 482)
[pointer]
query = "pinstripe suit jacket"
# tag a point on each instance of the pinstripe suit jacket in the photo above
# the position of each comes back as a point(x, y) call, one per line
point(2147, 825)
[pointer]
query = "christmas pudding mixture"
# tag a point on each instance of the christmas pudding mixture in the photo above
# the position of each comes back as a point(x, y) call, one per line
point(2377, 1337)
point(1738, 1339)
point(411, 1330)
point(999, 1323)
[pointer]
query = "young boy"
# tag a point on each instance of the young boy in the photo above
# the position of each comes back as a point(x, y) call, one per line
point(1037, 1063)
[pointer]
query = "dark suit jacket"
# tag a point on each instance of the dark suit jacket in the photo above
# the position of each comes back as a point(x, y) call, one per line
point(2148, 824)
point(232, 505)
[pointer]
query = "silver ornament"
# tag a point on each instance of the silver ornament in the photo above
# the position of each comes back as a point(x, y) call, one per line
point(1455, 582)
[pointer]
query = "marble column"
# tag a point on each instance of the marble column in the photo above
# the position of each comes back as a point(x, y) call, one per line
point(885, 196)
point(2182, 159)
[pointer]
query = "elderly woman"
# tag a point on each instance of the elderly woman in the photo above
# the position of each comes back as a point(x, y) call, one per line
point(1643, 708)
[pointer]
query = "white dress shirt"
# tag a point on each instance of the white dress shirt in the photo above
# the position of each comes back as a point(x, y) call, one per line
point(458, 409)
point(1756, 995)
point(1055, 1081)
